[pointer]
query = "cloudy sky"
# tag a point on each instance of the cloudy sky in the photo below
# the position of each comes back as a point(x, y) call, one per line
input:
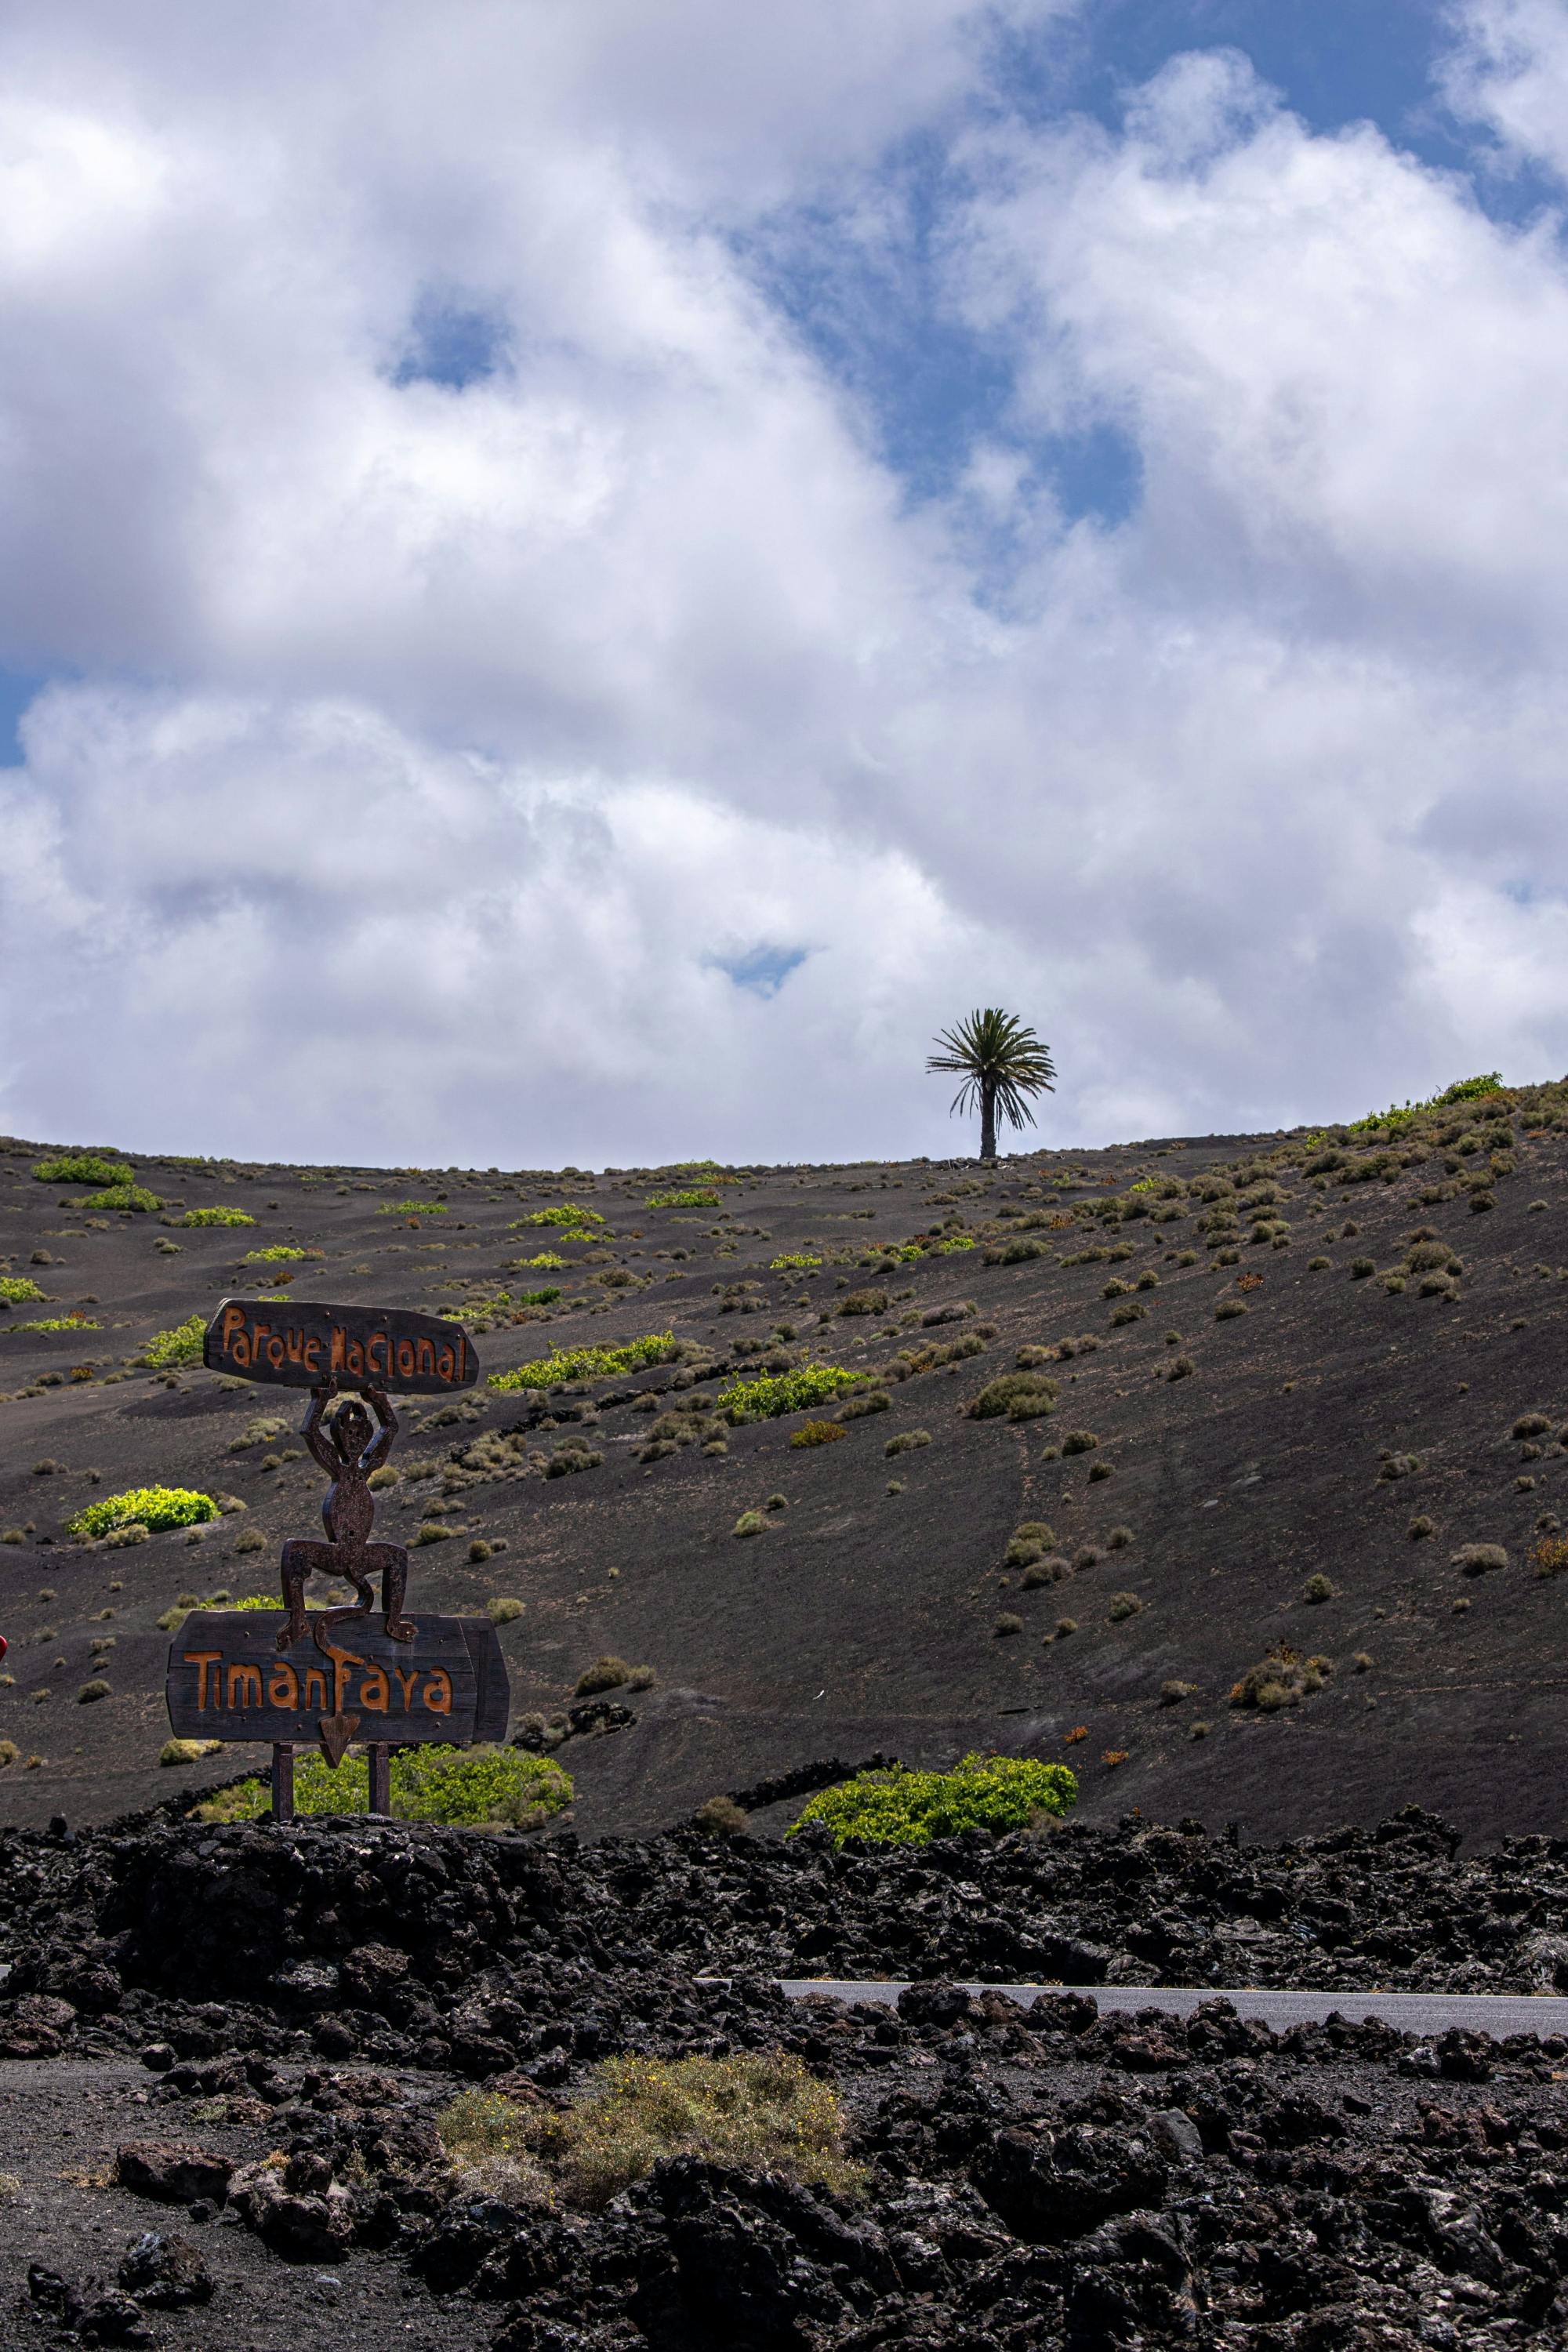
point(578, 576)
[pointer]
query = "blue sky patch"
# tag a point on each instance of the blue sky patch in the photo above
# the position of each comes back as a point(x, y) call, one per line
point(18, 688)
point(451, 344)
point(763, 970)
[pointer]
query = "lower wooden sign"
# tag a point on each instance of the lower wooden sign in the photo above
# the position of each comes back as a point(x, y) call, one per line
point(227, 1679)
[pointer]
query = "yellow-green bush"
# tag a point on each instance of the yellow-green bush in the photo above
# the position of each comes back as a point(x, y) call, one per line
point(466, 1787)
point(152, 1508)
point(896, 1807)
point(182, 1345)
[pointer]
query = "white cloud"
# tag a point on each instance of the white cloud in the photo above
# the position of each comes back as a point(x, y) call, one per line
point(1510, 69)
point(425, 755)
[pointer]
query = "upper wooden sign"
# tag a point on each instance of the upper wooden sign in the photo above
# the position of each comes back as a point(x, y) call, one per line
point(297, 1343)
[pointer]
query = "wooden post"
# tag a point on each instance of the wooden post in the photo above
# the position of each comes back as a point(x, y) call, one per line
point(282, 1780)
point(380, 1756)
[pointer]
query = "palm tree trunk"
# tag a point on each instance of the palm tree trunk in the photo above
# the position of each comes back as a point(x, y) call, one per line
point(988, 1121)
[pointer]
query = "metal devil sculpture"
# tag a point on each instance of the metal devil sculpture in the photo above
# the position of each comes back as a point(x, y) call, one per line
point(300, 1675)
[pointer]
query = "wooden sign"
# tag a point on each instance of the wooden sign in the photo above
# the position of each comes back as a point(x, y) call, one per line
point(301, 1344)
point(227, 1679)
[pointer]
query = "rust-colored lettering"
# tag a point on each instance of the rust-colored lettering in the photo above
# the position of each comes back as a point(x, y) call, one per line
point(295, 1344)
point(405, 1357)
point(376, 1691)
point(312, 1355)
point(246, 1682)
point(405, 1682)
point(356, 1360)
point(274, 1353)
point(283, 1687)
point(447, 1364)
point(341, 1661)
point(258, 1333)
point(423, 1355)
point(202, 1660)
point(233, 1321)
point(316, 1683)
point(437, 1691)
point(336, 1364)
point(378, 1339)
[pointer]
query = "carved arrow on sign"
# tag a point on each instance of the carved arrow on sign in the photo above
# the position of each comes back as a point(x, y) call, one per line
point(337, 1730)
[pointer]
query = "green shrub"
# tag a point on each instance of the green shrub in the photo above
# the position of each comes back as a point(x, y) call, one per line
point(215, 1216)
point(466, 1787)
point(866, 1401)
point(1318, 1589)
point(1123, 1605)
point(412, 1209)
point(1080, 1440)
point(1280, 1679)
point(1362, 1267)
point(721, 1817)
point(277, 1254)
point(864, 1302)
point(790, 1261)
point(566, 1213)
point(18, 1290)
point(1400, 1114)
point(695, 1197)
point(134, 1198)
point(818, 1433)
point(773, 1394)
point(589, 1363)
point(896, 1807)
point(1029, 1542)
point(182, 1345)
point(1008, 1623)
point(1479, 1558)
point(1020, 1396)
point(83, 1167)
point(749, 1522)
point(503, 1610)
point(1227, 1309)
point(51, 1323)
point(908, 1441)
point(152, 1508)
point(606, 1673)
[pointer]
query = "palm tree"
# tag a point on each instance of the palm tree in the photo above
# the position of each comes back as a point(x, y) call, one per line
point(1001, 1062)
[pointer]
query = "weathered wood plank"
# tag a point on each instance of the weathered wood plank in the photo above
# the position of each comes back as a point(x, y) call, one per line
point(303, 1343)
point(227, 1679)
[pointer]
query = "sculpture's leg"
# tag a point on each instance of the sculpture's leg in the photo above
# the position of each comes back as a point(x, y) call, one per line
point(301, 1556)
point(393, 1562)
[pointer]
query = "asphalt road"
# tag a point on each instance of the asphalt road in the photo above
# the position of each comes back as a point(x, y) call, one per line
point(1496, 2013)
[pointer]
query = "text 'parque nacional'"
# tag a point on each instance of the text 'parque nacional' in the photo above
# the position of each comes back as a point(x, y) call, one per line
point(306, 1344)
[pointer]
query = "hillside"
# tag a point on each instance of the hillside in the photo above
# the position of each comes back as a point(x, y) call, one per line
point(1262, 1414)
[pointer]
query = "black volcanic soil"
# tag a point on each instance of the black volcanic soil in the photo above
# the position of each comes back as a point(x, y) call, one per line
point(223, 2053)
point(863, 1621)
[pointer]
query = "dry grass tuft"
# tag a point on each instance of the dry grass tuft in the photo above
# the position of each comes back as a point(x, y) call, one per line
point(762, 2113)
